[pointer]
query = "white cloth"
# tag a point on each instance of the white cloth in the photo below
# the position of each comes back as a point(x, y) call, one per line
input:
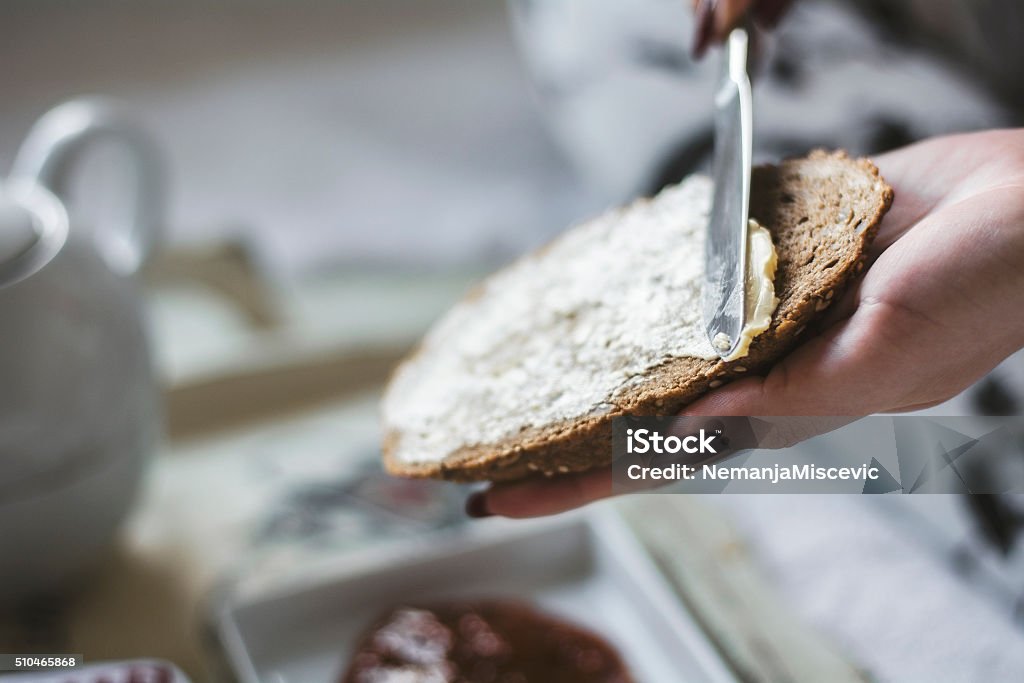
point(896, 608)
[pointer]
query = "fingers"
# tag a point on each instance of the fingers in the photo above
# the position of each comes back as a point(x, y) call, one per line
point(770, 430)
point(959, 166)
point(538, 497)
point(728, 14)
point(704, 27)
point(714, 19)
point(842, 372)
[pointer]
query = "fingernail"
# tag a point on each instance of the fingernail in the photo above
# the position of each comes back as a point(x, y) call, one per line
point(476, 506)
point(704, 23)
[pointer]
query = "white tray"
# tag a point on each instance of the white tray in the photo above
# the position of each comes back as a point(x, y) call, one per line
point(588, 568)
point(109, 672)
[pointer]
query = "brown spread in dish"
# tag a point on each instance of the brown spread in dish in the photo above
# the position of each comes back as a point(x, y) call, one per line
point(481, 642)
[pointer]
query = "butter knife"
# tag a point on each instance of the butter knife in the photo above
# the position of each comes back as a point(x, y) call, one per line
point(725, 246)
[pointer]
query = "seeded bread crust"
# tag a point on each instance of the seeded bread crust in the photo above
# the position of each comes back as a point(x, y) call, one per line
point(823, 211)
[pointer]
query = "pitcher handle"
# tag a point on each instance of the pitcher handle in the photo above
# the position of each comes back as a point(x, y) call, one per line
point(63, 135)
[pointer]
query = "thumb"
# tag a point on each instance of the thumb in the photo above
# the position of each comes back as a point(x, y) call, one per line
point(827, 382)
point(808, 382)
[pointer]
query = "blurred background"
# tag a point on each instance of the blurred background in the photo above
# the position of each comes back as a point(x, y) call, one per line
point(334, 175)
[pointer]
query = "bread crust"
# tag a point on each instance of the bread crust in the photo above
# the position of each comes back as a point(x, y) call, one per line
point(823, 211)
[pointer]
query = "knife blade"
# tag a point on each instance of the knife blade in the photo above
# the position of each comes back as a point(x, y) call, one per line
point(725, 246)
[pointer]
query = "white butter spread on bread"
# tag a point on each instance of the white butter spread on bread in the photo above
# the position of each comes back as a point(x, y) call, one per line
point(558, 334)
point(761, 300)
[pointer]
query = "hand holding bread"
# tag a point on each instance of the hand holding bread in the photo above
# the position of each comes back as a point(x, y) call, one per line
point(526, 374)
point(937, 309)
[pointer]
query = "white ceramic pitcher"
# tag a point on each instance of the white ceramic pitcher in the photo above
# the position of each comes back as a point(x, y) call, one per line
point(79, 409)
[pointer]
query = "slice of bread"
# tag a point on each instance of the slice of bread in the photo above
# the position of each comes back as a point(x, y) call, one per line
point(525, 375)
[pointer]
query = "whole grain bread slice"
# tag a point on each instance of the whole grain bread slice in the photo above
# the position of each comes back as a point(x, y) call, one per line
point(823, 211)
